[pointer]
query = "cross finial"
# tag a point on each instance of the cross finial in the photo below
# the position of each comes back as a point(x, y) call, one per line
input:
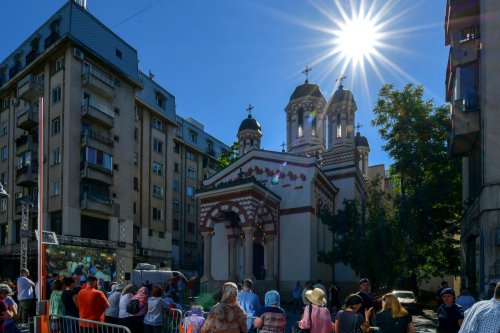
point(340, 79)
point(283, 145)
point(306, 72)
point(249, 109)
point(358, 126)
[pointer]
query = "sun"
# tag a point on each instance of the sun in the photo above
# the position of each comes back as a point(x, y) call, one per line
point(357, 39)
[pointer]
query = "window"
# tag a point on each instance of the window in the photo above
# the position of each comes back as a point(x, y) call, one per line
point(300, 121)
point(176, 205)
point(157, 191)
point(161, 101)
point(190, 191)
point(158, 146)
point(136, 184)
point(54, 188)
point(157, 123)
point(4, 153)
point(136, 158)
point(176, 148)
point(176, 186)
point(176, 167)
point(190, 228)
point(190, 156)
point(161, 234)
point(5, 128)
point(3, 234)
point(313, 116)
point(56, 222)
point(191, 173)
point(150, 233)
point(134, 209)
point(118, 53)
point(55, 156)
point(3, 205)
point(59, 64)
point(56, 94)
point(339, 125)
point(3, 178)
point(156, 214)
point(176, 225)
point(56, 126)
point(190, 209)
point(136, 134)
point(158, 168)
point(117, 111)
point(98, 157)
point(193, 136)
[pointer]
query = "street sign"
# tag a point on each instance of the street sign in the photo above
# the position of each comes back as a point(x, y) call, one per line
point(48, 237)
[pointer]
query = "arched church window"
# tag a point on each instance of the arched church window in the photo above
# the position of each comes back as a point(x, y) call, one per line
point(314, 117)
point(251, 143)
point(300, 127)
point(339, 125)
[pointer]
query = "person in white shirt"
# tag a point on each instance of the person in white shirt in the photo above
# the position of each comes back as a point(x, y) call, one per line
point(25, 296)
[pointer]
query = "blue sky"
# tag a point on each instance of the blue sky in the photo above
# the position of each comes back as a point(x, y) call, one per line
point(217, 56)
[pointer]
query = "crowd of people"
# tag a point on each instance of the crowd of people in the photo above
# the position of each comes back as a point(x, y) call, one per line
point(238, 308)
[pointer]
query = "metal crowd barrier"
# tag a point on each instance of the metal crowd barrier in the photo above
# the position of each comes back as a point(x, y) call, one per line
point(172, 318)
point(67, 324)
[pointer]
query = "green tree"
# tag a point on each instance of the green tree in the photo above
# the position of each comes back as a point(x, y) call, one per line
point(428, 185)
point(228, 157)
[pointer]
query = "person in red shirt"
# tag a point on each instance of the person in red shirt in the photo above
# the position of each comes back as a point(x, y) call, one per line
point(91, 303)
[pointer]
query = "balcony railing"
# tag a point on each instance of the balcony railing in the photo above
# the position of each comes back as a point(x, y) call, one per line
point(99, 204)
point(27, 175)
point(27, 117)
point(99, 82)
point(29, 88)
point(27, 142)
point(465, 125)
point(88, 134)
point(98, 112)
point(93, 171)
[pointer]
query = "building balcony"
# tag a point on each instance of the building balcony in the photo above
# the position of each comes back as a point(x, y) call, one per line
point(29, 88)
point(53, 37)
point(27, 117)
point(31, 200)
point(96, 172)
point(98, 113)
point(27, 175)
point(465, 126)
point(26, 143)
point(99, 83)
point(97, 204)
point(460, 14)
point(97, 140)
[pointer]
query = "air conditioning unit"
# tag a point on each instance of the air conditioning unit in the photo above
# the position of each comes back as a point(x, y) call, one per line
point(15, 101)
point(78, 54)
point(145, 252)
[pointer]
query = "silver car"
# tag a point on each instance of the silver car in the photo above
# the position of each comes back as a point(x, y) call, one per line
point(407, 299)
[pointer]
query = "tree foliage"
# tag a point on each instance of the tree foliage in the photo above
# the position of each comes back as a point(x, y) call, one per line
point(228, 157)
point(410, 235)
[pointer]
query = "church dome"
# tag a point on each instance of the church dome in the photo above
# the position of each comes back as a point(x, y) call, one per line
point(249, 124)
point(306, 89)
point(342, 95)
point(361, 141)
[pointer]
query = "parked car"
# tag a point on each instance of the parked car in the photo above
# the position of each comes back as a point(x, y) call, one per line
point(407, 299)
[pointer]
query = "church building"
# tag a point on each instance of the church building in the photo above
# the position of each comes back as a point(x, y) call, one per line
point(259, 217)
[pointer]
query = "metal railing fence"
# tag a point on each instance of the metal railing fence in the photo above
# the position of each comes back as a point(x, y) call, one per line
point(67, 324)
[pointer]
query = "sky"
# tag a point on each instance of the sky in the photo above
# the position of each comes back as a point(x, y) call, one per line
point(218, 56)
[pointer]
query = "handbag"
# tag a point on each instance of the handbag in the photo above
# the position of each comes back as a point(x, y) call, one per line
point(296, 328)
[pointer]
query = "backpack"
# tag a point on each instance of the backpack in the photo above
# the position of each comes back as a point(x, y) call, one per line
point(133, 306)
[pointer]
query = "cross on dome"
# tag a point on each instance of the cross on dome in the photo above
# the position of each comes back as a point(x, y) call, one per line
point(306, 72)
point(283, 145)
point(358, 126)
point(341, 79)
point(249, 109)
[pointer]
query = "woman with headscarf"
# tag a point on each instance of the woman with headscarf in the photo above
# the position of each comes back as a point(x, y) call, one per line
point(349, 320)
point(135, 321)
point(127, 293)
point(316, 316)
point(450, 314)
point(271, 318)
point(394, 318)
point(111, 313)
point(195, 319)
point(226, 316)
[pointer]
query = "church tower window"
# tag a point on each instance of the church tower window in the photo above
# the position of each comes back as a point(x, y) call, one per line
point(300, 127)
point(339, 125)
point(313, 124)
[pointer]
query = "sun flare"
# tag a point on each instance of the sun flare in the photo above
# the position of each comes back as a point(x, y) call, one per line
point(357, 39)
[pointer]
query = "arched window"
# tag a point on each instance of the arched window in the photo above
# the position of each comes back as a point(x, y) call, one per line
point(339, 125)
point(300, 127)
point(314, 117)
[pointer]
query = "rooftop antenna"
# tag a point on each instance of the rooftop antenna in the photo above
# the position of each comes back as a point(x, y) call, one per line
point(306, 72)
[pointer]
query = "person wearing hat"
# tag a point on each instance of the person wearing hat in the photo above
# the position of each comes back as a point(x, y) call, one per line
point(111, 313)
point(8, 309)
point(450, 314)
point(349, 320)
point(364, 293)
point(316, 316)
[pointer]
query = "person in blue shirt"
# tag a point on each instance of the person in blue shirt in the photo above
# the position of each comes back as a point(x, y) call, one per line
point(249, 302)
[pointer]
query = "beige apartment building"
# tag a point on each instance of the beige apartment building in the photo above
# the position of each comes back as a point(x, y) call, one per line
point(472, 30)
point(110, 141)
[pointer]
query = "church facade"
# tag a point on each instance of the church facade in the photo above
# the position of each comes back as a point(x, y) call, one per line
point(259, 217)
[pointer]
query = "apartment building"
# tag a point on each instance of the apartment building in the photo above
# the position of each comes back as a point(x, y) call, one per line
point(109, 150)
point(472, 91)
